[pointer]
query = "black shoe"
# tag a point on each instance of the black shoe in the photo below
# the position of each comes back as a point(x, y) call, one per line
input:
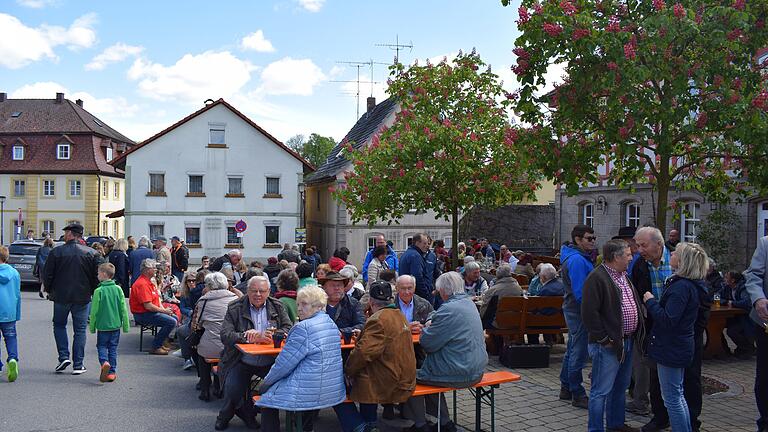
point(63, 365)
point(654, 426)
point(198, 386)
point(565, 394)
point(580, 402)
point(205, 396)
point(221, 424)
point(251, 423)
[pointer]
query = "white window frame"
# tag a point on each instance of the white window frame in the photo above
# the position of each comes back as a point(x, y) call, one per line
point(49, 188)
point(157, 234)
point(116, 229)
point(75, 186)
point(188, 226)
point(63, 151)
point(109, 153)
point(105, 228)
point(19, 185)
point(49, 226)
point(189, 183)
point(238, 239)
point(229, 184)
point(448, 240)
point(588, 218)
point(18, 152)
point(105, 191)
point(116, 193)
point(266, 184)
point(217, 129)
point(690, 212)
point(371, 242)
point(629, 218)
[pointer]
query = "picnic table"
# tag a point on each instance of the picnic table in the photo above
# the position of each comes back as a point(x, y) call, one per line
point(718, 316)
point(269, 349)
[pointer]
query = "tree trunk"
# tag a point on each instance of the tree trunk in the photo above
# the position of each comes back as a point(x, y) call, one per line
point(662, 186)
point(454, 238)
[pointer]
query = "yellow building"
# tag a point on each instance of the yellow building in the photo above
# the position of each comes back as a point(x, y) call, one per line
point(54, 170)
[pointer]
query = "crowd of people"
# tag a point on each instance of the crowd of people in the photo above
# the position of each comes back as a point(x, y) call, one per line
point(638, 309)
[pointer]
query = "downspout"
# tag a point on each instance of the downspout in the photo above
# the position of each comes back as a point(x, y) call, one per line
point(98, 206)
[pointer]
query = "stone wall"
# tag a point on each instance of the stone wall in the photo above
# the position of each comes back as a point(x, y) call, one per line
point(526, 227)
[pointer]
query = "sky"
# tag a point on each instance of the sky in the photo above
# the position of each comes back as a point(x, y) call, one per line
point(142, 65)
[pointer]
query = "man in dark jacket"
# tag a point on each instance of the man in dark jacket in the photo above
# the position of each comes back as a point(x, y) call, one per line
point(576, 264)
point(757, 287)
point(179, 258)
point(247, 321)
point(344, 310)
point(228, 260)
point(414, 263)
point(137, 256)
point(70, 279)
point(611, 313)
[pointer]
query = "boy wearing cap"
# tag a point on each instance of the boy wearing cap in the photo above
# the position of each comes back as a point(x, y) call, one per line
point(382, 366)
point(108, 316)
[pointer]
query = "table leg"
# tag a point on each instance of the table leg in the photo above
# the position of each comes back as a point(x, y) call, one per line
point(493, 409)
point(715, 327)
point(478, 408)
point(455, 419)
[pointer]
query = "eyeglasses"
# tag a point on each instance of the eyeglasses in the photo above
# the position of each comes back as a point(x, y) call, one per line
point(590, 238)
point(191, 281)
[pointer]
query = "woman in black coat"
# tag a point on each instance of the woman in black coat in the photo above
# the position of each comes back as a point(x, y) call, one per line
point(119, 258)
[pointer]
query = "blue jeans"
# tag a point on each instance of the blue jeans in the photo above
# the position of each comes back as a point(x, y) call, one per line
point(8, 331)
point(349, 417)
point(79, 313)
point(671, 383)
point(166, 322)
point(610, 380)
point(575, 354)
point(106, 345)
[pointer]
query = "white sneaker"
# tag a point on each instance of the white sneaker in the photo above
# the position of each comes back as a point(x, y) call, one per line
point(176, 353)
point(79, 371)
point(62, 365)
point(188, 364)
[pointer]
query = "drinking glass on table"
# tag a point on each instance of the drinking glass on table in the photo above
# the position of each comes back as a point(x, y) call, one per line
point(271, 326)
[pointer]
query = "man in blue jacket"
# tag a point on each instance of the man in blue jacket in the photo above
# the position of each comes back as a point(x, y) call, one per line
point(137, 256)
point(391, 257)
point(414, 263)
point(575, 266)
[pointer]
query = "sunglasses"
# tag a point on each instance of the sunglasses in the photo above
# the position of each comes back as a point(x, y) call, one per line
point(191, 281)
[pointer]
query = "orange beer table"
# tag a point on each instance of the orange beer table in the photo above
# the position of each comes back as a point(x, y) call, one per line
point(718, 315)
point(269, 349)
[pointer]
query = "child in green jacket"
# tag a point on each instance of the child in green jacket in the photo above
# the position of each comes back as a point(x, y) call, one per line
point(108, 315)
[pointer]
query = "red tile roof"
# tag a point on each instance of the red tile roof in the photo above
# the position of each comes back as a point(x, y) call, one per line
point(120, 160)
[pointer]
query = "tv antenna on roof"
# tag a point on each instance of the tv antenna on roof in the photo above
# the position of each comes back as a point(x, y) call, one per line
point(397, 46)
point(358, 65)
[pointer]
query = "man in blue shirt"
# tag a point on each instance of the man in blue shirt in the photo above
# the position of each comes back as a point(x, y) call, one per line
point(391, 257)
point(413, 262)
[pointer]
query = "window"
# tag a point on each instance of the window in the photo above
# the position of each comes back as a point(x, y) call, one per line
point(588, 214)
point(196, 184)
point(272, 234)
point(75, 188)
point(371, 242)
point(49, 188)
point(217, 136)
point(448, 240)
point(235, 186)
point(105, 191)
point(19, 188)
point(156, 230)
point(689, 219)
point(105, 228)
point(317, 198)
point(116, 229)
point(157, 184)
point(232, 238)
point(48, 226)
point(117, 192)
point(18, 153)
point(632, 215)
point(62, 151)
point(16, 114)
point(273, 185)
point(109, 153)
point(192, 235)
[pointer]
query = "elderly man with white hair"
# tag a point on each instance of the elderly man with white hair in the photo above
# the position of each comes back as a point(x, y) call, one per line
point(474, 284)
point(505, 286)
point(137, 256)
point(455, 345)
point(229, 260)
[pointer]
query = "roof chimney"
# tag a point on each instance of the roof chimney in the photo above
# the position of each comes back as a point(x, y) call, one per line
point(371, 104)
point(3, 97)
point(59, 97)
point(79, 103)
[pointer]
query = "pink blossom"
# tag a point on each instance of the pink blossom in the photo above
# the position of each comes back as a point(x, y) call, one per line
point(735, 34)
point(739, 4)
point(613, 25)
point(659, 5)
point(761, 101)
point(537, 8)
point(524, 17)
point(629, 51)
point(568, 7)
point(580, 33)
point(420, 164)
point(623, 132)
point(552, 29)
point(401, 173)
point(612, 66)
point(521, 53)
point(679, 11)
point(701, 120)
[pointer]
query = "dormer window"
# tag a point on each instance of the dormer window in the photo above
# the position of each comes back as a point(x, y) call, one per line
point(62, 151)
point(18, 152)
point(109, 153)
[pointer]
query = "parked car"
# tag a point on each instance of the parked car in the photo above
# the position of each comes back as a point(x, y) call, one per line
point(22, 258)
point(96, 239)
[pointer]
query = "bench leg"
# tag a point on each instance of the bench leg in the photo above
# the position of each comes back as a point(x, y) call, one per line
point(493, 410)
point(455, 419)
point(141, 339)
point(478, 408)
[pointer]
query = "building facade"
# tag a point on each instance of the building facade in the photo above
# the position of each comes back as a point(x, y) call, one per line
point(54, 168)
point(198, 178)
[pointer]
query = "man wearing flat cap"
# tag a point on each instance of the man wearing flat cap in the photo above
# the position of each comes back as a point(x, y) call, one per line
point(382, 367)
point(344, 310)
point(70, 279)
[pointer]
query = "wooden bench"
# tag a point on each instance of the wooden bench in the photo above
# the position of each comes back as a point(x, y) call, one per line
point(483, 392)
point(538, 259)
point(517, 316)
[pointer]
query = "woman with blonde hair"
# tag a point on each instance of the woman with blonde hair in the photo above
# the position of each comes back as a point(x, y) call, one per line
point(672, 339)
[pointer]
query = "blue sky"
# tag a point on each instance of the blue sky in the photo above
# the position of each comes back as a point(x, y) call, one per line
point(142, 65)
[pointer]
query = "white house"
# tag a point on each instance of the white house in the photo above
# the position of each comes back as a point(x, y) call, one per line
point(199, 177)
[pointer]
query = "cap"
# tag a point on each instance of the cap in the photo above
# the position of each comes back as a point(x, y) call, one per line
point(381, 290)
point(332, 276)
point(626, 232)
point(75, 228)
point(175, 238)
point(160, 238)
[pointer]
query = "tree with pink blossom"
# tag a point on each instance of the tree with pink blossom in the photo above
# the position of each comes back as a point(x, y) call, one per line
point(451, 147)
point(664, 92)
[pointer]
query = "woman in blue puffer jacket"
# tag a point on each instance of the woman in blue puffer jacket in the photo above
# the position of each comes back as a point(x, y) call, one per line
point(672, 335)
point(308, 372)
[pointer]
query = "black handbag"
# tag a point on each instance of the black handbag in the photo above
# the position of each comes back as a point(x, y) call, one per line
point(195, 335)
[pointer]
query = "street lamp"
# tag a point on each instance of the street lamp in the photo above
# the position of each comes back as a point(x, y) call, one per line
point(2, 222)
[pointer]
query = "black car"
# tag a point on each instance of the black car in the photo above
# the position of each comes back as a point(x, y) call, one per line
point(22, 257)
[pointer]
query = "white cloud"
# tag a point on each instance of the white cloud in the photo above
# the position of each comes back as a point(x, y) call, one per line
point(257, 42)
point(21, 45)
point(36, 4)
point(291, 76)
point(104, 108)
point(114, 54)
point(193, 78)
point(311, 5)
